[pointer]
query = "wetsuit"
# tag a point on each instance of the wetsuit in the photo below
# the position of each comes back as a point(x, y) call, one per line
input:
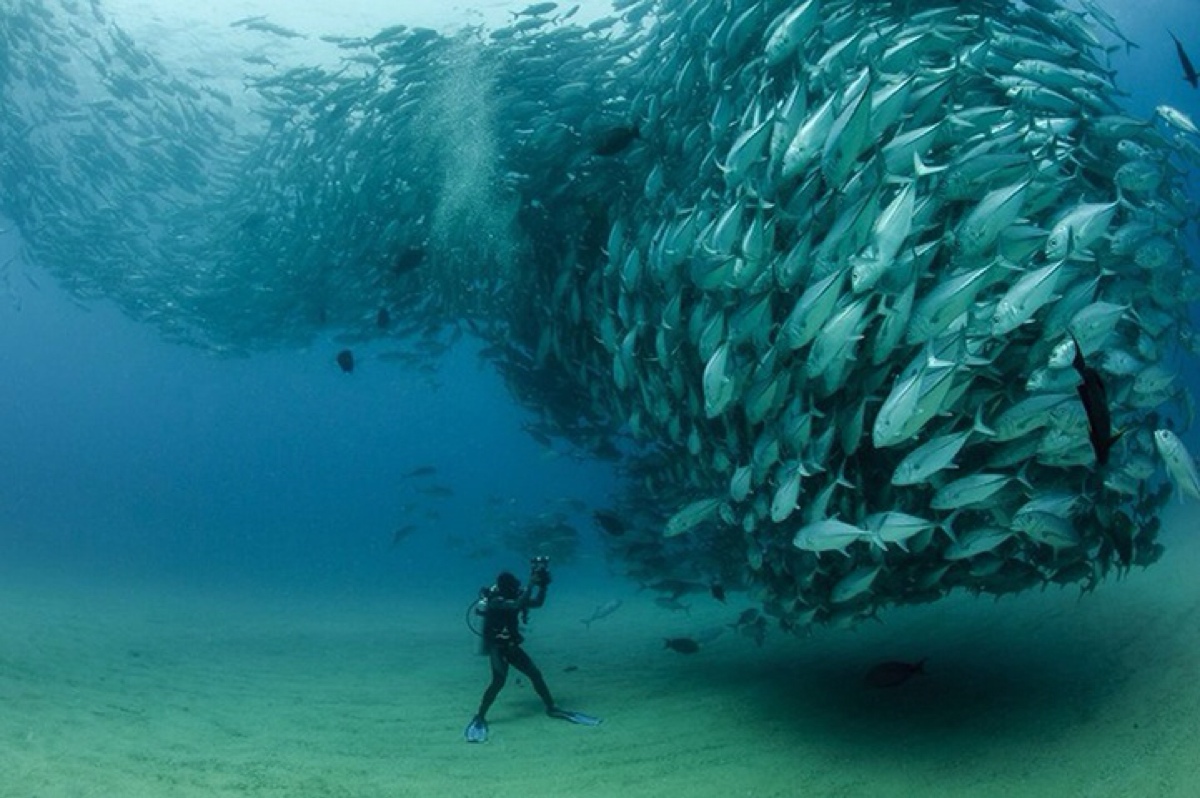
point(502, 643)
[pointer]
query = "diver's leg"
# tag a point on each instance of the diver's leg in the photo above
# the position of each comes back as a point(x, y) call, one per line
point(499, 676)
point(521, 661)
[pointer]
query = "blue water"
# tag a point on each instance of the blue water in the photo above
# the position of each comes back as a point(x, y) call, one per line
point(124, 454)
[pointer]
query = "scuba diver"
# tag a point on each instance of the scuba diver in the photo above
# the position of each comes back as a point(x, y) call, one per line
point(503, 607)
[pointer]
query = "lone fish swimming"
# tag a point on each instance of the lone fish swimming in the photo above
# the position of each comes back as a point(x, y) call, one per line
point(1189, 71)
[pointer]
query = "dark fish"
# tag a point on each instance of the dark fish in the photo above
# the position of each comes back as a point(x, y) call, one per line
point(684, 645)
point(271, 27)
point(570, 669)
point(408, 260)
point(401, 534)
point(1095, 405)
point(383, 319)
point(1120, 532)
point(616, 139)
point(718, 591)
point(1189, 71)
point(610, 522)
point(675, 587)
point(345, 359)
point(603, 611)
point(747, 616)
point(421, 471)
point(536, 9)
point(756, 630)
point(247, 20)
point(673, 604)
point(892, 673)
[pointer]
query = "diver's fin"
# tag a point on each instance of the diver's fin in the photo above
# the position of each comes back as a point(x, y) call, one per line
point(581, 718)
point(476, 731)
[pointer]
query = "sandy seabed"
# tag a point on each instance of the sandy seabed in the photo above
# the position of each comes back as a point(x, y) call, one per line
point(133, 691)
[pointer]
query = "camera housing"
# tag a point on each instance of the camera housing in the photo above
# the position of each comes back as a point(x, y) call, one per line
point(539, 571)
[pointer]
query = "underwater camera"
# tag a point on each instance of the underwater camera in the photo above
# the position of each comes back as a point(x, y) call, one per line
point(539, 570)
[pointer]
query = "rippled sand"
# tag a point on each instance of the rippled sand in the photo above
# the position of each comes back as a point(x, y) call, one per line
point(138, 690)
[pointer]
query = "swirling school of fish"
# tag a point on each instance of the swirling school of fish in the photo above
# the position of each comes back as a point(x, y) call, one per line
point(872, 300)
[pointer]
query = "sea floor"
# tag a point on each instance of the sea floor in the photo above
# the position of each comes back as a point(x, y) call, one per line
point(139, 690)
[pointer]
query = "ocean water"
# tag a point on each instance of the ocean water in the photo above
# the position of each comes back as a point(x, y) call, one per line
point(247, 574)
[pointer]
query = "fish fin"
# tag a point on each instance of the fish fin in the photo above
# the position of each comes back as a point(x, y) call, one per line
point(934, 362)
point(1022, 477)
point(947, 527)
point(979, 427)
point(1070, 253)
point(921, 170)
point(973, 362)
point(841, 477)
point(1005, 263)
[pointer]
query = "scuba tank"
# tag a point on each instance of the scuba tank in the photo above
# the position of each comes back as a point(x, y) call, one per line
point(478, 608)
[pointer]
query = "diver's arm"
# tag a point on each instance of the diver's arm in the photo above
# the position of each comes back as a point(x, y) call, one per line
point(535, 595)
point(531, 596)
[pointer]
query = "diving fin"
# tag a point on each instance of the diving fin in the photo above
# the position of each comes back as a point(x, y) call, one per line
point(582, 718)
point(476, 731)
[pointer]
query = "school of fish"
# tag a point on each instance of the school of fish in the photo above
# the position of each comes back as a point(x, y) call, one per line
point(871, 300)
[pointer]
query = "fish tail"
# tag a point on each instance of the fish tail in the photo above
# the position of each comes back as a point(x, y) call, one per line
point(841, 477)
point(1078, 360)
point(947, 526)
point(921, 169)
point(980, 427)
point(1023, 476)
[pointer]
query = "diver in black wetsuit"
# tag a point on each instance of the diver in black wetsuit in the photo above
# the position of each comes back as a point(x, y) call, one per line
point(503, 607)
